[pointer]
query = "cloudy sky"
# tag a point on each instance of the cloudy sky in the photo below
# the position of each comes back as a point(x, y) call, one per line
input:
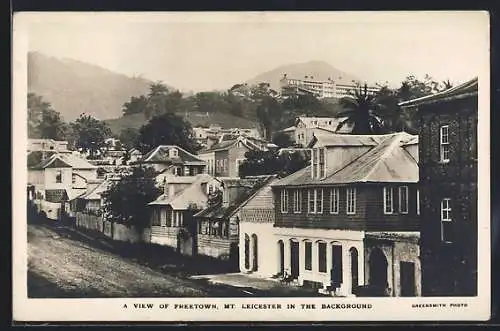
point(216, 50)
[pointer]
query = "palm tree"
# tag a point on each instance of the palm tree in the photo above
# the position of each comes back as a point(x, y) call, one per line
point(362, 112)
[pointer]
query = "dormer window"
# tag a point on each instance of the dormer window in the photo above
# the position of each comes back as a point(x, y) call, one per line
point(173, 152)
point(318, 163)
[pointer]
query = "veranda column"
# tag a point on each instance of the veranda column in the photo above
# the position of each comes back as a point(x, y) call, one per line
point(346, 271)
point(286, 254)
point(329, 265)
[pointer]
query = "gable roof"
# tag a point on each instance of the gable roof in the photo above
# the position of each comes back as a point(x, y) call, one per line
point(386, 162)
point(227, 144)
point(64, 160)
point(219, 211)
point(95, 194)
point(467, 89)
point(161, 154)
point(193, 194)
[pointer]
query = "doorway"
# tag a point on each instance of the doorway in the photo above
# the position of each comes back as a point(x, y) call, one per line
point(378, 269)
point(336, 272)
point(407, 279)
point(294, 259)
point(354, 269)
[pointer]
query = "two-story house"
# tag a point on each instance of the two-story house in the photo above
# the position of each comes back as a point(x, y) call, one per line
point(172, 213)
point(218, 224)
point(174, 160)
point(351, 218)
point(224, 158)
point(448, 185)
point(60, 179)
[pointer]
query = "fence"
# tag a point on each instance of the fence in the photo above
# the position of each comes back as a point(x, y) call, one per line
point(111, 230)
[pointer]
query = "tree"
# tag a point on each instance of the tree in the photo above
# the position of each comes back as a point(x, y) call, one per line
point(126, 201)
point(282, 139)
point(167, 129)
point(269, 112)
point(90, 134)
point(271, 162)
point(362, 112)
point(129, 138)
point(136, 105)
point(43, 121)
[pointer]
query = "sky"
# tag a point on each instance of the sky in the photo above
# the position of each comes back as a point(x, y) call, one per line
point(207, 51)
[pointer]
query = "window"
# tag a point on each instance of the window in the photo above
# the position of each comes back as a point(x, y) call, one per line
point(446, 221)
point(322, 168)
point(388, 200)
point(351, 201)
point(163, 217)
point(314, 163)
point(403, 199)
point(319, 201)
point(312, 203)
point(174, 152)
point(284, 201)
point(297, 201)
point(334, 200)
point(58, 176)
point(418, 202)
point(315, 198)
point(308, 255)
point(73, 178)
point(322, 257)
point(444, 143)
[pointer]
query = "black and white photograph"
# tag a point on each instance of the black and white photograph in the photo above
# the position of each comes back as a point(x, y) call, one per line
point(251, 166)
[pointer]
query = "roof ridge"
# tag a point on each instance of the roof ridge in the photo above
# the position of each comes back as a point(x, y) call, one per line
point(387, 152)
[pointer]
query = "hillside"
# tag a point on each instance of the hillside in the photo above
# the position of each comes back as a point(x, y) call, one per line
point(318, 69)
point(194, 118)
point(74, 87)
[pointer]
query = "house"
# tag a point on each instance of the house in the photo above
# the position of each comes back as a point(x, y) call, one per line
point(179, 161)
point(60, 179)
point(224, 158)
point(172, 213)
point(448, 185)
point(307, 127)
point(92, 201)
point(351, 217)
point(218, 224)
point(135, 155)
point(256, 230)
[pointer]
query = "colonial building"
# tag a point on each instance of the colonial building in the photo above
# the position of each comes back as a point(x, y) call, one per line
point(172, 213)
point(448, 181)
point(175, 160)
point(218, 224)
point(350, 219)
point(47, 145)
point(319, 88)
point(224, 158)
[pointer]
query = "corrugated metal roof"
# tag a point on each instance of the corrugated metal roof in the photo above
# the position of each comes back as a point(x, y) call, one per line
point(95, 194)
point(348, 140)
point(219, 211)
point(468, 88)
point(386, 162)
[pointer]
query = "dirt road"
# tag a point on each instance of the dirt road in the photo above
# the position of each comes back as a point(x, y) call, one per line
point(60, 266)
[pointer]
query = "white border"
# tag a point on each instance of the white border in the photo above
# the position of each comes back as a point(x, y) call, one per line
point(382, 309)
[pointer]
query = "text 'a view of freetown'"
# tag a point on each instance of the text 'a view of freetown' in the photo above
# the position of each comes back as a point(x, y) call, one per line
point(310, 185)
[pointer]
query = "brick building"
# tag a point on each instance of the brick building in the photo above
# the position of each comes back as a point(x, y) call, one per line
point(448, 185)
point(351, 218)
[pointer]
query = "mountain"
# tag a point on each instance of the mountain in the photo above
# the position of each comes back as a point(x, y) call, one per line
point(318, 69)
point(74, 87)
